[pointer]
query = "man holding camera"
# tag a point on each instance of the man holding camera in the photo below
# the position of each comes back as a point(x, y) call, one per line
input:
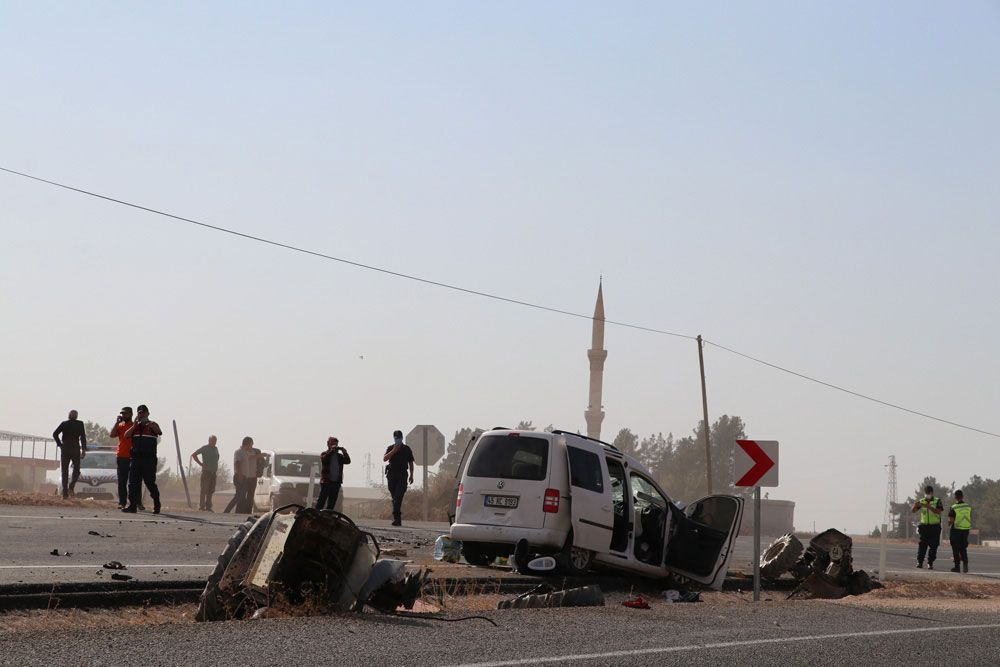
point(145, 436)
point(331, 476)
point(73, 447)
point(124, 455)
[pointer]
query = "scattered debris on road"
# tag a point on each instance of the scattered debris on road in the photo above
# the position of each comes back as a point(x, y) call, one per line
point(56, 552)
point(447, 549)
point(674, 595)
point(636, 603)
point(114, 565)
point(545, 596)
point(121, 577)
point(94, 532)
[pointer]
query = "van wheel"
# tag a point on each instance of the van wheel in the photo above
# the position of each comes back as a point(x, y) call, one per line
point(575, 561)
point(475, 554)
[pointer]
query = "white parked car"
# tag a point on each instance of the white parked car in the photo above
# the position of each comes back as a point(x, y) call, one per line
point(584, 502)
point(98, 475)
point(285, 479)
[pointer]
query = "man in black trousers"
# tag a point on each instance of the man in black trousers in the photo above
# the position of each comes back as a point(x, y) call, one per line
point(73, 447)
point(398, 456)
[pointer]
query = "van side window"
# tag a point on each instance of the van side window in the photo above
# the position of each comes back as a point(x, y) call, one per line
point(585, 469)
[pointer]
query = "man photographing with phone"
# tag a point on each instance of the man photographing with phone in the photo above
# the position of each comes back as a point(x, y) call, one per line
point(124, 456)
point(331, 477)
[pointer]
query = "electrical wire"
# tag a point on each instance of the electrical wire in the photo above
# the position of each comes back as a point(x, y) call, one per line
point(849, 391)
point(488, 295)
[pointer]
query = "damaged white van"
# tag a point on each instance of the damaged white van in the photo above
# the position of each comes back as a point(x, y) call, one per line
point(585, 503)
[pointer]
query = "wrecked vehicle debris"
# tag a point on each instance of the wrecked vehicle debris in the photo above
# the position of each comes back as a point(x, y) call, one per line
point(297, 555)
point(114, 565)
point(545, 596)
point(825, 568)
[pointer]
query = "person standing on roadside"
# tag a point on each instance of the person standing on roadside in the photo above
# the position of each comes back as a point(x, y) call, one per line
point(398, 456)
point(960, 520)
point(73, 447)
point(245, 470)
point(331, 476)
point(209, 463)
point(124, 456)
point(145, 436)
point(930, 509)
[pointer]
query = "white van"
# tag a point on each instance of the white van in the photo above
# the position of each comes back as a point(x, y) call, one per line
point(285, 480)
point(584, 502)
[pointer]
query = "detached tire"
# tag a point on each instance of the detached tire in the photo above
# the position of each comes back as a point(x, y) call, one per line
point(475, 555)
point(780, 556)
point(213, 603)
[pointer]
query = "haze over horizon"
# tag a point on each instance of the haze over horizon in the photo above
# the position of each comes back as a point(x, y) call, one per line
point(811, 185)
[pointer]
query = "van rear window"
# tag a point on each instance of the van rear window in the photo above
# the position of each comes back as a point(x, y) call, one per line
point(510, 457)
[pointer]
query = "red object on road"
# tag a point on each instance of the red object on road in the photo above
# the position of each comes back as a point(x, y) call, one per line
point(761, 463)
point(636, 603)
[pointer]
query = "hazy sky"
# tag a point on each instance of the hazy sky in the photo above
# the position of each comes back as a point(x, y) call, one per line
point(812, 183)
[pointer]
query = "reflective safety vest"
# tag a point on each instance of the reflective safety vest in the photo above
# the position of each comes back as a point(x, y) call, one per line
point(963, 515)
point(927, 517)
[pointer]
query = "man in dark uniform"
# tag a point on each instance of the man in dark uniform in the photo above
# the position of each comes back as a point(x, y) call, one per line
point(73, 447)
point(144, 434)
point(331, 477)
point(930, 509)
point(399, 457)
point(960, 520)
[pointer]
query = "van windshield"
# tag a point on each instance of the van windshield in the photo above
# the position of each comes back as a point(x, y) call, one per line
point(297, 465)
point(510, 457)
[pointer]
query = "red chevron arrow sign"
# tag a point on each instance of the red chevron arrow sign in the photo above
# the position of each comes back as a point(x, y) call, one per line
point(756, 463)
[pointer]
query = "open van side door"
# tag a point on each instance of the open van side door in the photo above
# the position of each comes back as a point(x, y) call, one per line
point(701, 539)
point(590, 500)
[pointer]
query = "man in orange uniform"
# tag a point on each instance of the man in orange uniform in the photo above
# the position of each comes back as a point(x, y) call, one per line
point(122, 424)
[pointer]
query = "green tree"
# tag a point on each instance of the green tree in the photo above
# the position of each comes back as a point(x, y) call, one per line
point(456, 450)
point(626, 442)
point(98, 436)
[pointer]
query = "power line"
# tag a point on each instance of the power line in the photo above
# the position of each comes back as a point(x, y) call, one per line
point(369, 267)
point(488, 295)
point(849, 391)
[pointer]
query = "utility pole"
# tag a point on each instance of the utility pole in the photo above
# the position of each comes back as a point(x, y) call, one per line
point(368, 469)
point(890, 493)
point(704, 407)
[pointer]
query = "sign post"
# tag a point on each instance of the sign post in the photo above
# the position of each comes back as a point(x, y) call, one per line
point(180, 463)
point(427, 444)
point(756, 465)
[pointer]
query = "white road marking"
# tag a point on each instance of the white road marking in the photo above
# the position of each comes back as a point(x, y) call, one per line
point(95, 566)
point(733, 644)
point(153, 519)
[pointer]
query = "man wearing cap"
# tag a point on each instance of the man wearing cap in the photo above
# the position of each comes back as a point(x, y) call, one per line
point(145, 435)
point(124, 456)
point(930, 509)
point(73, 447)
point(960, 520)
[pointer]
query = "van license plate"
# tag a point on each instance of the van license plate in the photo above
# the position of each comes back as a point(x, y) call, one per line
point(502, 501)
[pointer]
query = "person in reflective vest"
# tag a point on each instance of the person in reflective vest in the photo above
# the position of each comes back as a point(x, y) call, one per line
point(960, 520)
point(930, 509)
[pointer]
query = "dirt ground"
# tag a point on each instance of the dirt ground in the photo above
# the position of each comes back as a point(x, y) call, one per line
point(23, 498)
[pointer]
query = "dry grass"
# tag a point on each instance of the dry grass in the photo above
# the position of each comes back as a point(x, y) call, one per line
point(50, 500)
point(54, 620)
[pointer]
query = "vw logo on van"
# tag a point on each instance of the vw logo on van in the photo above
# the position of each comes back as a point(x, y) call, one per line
point(500, 484)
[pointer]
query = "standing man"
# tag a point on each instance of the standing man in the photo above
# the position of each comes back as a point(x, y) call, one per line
point(960, 520)
point(398, 456)
point(73, 447)
point(930, 509)
point(331, 477)
point(124, 457)
point(145, 435)
point(209, 463)
point(245, 472)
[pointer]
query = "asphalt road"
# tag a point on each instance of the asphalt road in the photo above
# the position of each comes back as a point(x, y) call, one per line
point(186, 545)
point(811, 632)
point(167, 546)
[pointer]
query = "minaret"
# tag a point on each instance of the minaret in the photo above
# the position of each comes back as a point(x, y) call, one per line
point(597, 354)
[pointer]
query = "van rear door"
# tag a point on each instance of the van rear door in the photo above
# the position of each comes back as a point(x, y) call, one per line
point(590, 500)
point(505, 481)
point(702, 538)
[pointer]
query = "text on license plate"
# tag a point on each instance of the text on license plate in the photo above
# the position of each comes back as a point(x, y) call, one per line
point(501, 501)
